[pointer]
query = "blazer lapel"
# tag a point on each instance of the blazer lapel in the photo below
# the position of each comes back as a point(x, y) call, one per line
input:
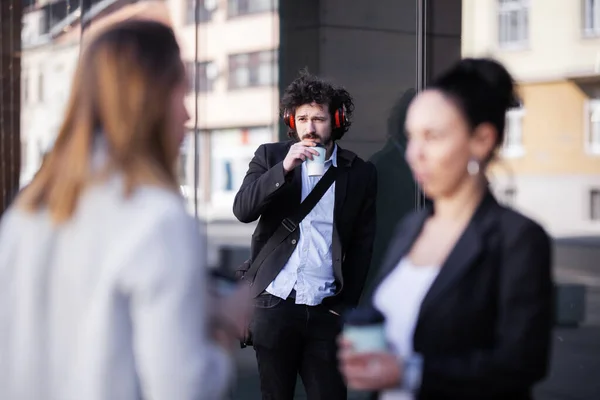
point(341, 186)
point(459, 260)
point(344, 161)
point(462, 256)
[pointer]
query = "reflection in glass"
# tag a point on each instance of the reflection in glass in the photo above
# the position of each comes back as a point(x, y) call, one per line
point(205, 12)
point(252, 69)
point(243, 7)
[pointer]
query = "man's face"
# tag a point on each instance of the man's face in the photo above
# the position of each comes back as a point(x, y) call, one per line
point(313, 122)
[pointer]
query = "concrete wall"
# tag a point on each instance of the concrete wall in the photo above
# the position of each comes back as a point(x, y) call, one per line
point(372, 49)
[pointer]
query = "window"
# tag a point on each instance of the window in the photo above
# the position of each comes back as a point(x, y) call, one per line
point(24, 158)
point(231, 151)
point(40, 87)
point(513, 133)
point(253, 69)
point(25, 88)
point(592, 136)
point(513, 23)
point(182, 174)
point(595, 204)
point(591, 17)
point(242, 7)
point(207, 7)
point(188, 156)
point(207, 73)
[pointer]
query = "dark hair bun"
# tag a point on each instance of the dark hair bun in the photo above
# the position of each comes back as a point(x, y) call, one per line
point(482, 88)
point(493, 75)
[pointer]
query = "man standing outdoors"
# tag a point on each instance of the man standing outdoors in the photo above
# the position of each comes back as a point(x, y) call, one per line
point(307, 280)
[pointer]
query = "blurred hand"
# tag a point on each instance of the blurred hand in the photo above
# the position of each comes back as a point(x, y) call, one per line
point(368, 371)
point(231, 315)
point(298, 153)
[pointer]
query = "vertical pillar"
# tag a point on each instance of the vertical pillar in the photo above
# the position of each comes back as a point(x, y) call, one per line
point(10, 99)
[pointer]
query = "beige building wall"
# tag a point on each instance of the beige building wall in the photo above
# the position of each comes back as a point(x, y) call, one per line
point(551, 178)
point(554, 131)
point(557, 45)
point(216, 40)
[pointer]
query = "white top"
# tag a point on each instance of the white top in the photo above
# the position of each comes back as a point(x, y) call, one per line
point(110, 305)
point(399, 299)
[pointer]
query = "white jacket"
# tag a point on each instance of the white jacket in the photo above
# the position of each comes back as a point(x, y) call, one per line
point(111, 305)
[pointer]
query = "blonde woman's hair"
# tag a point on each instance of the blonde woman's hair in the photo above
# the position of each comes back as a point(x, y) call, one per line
point(121, 90)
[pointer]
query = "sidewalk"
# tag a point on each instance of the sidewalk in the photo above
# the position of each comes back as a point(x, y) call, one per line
point(575, 366)
point(575, 371)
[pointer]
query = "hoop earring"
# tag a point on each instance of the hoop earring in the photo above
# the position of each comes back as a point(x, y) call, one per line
point(473, 167)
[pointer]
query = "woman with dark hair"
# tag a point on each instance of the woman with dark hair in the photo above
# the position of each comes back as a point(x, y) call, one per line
point(102, 290)
point(466, 287)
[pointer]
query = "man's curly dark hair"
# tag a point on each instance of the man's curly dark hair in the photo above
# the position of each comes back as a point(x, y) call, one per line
point(307, 89)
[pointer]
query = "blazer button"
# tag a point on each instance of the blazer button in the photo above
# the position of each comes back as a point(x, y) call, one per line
point(277, 184)
point(294, 241)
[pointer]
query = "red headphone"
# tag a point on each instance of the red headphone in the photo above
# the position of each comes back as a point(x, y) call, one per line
point(340, 120)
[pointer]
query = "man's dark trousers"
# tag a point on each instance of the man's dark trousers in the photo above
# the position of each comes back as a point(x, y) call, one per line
point(291, 339)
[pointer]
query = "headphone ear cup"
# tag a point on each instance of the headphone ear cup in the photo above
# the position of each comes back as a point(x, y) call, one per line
point(339, 118)
point(289, 119)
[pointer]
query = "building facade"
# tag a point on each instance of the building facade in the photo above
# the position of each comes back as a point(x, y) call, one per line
point(550, 164)
point(230, 49)
point(231, 53)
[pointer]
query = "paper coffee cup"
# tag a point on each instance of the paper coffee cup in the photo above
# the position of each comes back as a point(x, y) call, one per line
point(364, 328)
point(316, 166)
point(366, 339)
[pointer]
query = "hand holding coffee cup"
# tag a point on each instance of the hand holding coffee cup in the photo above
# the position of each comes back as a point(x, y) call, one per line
point(365, 361)
point(298, 153)
point(315, 166)
point(364, 330)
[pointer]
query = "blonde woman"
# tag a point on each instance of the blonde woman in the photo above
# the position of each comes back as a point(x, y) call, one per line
point(102, 294)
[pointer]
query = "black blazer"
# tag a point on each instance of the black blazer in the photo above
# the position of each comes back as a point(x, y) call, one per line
point(484, 327)
point(268, 194)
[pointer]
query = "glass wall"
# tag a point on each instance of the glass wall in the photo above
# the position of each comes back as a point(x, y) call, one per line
point(240, 54)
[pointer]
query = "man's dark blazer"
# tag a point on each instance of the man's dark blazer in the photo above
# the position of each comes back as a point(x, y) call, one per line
point(269, 194)
point(484, 327)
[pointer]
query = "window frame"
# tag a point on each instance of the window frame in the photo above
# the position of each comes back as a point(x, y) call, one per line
point(273, 6)
point(255, 60)
point(205, 84)
point(512, 147)
point(590, 7)
point(504, 10)
point(205, 15)
point(591, 138)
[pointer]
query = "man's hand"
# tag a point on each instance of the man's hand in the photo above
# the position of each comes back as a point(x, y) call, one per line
point(298, 153)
